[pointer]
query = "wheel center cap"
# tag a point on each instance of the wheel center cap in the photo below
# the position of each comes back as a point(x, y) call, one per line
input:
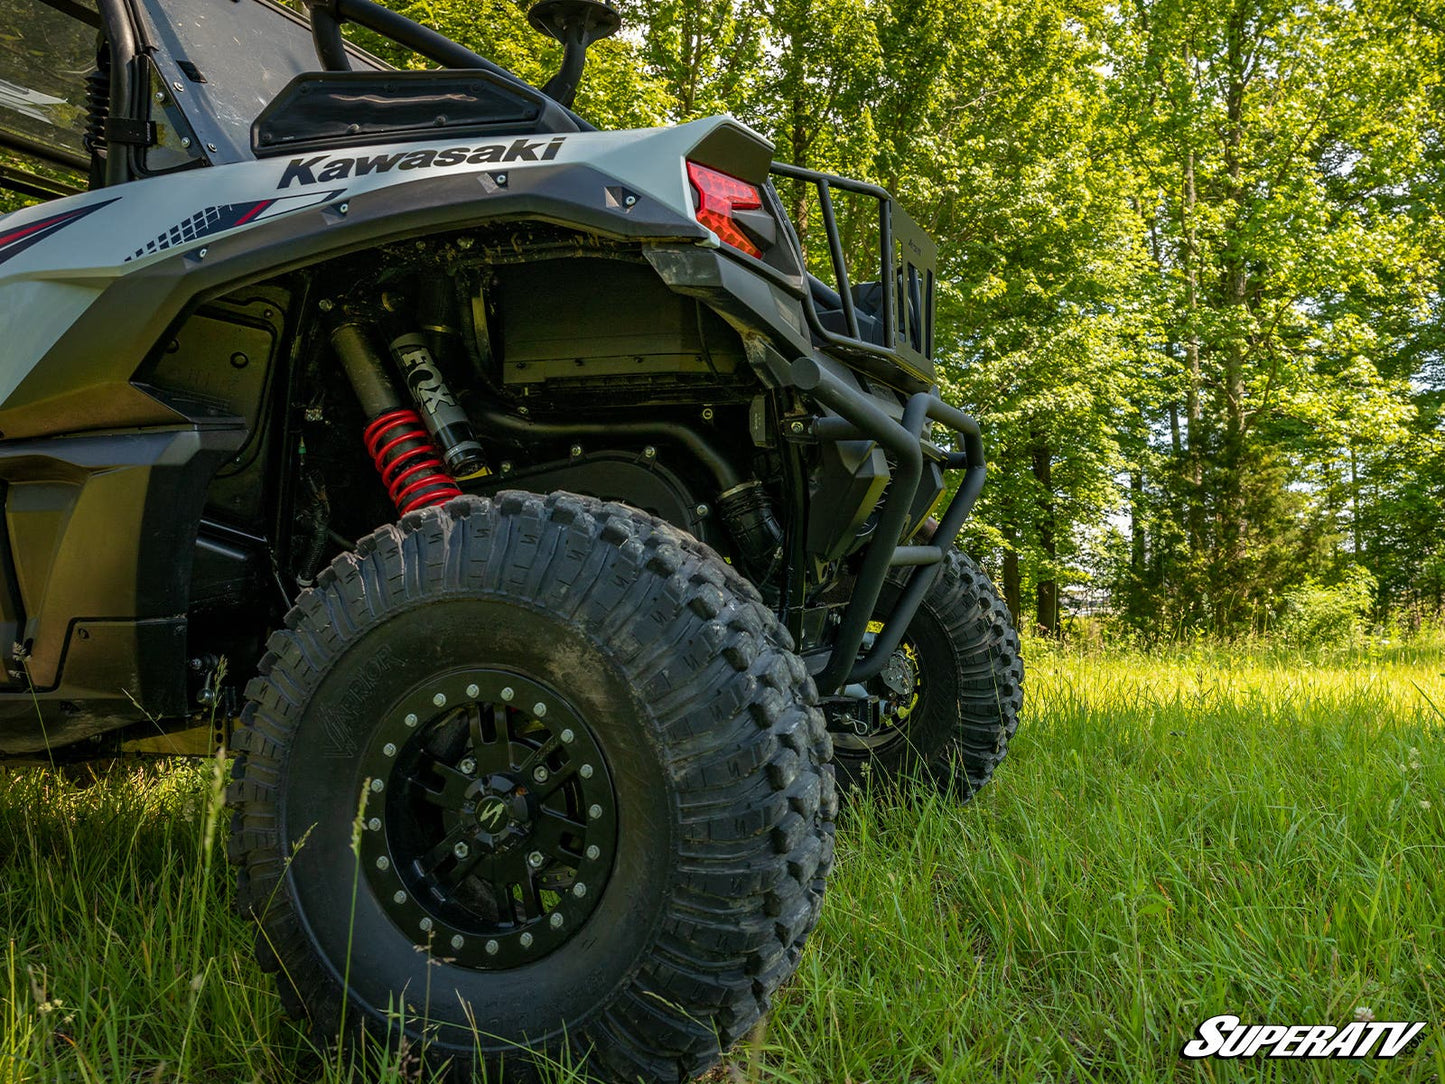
point(492, 814)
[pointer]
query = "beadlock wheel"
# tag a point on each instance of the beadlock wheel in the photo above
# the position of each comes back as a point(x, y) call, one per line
point(498, 818)
point(532, 780)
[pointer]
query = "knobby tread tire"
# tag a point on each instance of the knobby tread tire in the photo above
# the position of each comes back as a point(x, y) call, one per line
point(991, 673)
point(732, 717)
point(956, 743)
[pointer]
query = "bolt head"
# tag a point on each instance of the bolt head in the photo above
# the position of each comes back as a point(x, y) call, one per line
point(343, 207)
point(556, 920)
point(398, 896)
point(526, 940)
point(576, 450)
point(411, 719)
point(458, 941)
point(539, 709)
point(177, 86)
point(594, 811)
point(649, 452)
point(473, 691)
point(629, 201)
point(796, 427)
point(593, 851)
point(202, 253)
point(579, 890)
point(539, 774)
point(492, 948)
point(567, 737)
point(377, 785)
point(425, 924)
point(160, 96)
point(585, 771)
point(701, 510)
point(501, 178)
point(389, 749)
point(507, 693)
point(185, 141)
point(439, 700)
point(535, 859)
point(461, 850)
point(467, 766)
point(374, 824)
point(383, 863)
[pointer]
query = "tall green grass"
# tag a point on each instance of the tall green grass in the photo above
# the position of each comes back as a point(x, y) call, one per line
point(1253, 831)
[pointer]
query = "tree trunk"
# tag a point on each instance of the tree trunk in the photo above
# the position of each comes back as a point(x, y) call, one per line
point(1047, 602)
point(1012, 589)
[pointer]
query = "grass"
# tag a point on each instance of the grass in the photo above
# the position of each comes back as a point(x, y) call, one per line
point(1258, 831)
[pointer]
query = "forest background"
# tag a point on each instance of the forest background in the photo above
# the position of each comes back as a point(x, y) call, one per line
point(1190, 271)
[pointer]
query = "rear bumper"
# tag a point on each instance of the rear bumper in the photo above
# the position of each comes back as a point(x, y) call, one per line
point(860, 416)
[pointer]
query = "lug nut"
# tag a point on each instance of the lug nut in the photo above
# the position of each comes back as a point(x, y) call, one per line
point(539, 774)
point(535, 859)
point(507, 693)
point(461, 850)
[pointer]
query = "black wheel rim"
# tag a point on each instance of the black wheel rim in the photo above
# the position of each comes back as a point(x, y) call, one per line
point(490, 824)
point(902, 694)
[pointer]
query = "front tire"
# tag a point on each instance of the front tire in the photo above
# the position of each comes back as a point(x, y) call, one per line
point(595, 807)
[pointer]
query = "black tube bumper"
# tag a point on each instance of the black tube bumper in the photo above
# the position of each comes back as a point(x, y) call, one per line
point(861, 416)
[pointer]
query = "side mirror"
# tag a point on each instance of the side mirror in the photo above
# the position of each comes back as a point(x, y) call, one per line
point(576, 24)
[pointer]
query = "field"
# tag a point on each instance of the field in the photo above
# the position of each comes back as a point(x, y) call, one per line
point(1253, 831)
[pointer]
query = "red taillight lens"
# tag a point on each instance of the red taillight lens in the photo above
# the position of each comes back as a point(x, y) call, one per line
point(718, 197)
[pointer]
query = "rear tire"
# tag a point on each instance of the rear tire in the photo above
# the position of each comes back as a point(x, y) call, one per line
point(597, 815)
point(960, 656)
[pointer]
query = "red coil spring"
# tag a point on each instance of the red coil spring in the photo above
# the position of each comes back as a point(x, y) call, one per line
point(410, 468)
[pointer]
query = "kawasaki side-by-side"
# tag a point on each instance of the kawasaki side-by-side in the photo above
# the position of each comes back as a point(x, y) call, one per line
point(550, 520)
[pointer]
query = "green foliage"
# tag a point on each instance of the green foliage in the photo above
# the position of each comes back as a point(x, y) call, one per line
point(1191, 258)
point(1314, 613)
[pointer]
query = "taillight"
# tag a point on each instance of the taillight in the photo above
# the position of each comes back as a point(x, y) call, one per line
point(719, 196)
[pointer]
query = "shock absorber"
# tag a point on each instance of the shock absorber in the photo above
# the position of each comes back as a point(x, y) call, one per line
point(395, 437)
point(447, 423)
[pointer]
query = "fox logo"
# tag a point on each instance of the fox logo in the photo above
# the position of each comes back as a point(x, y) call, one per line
point(323, 169)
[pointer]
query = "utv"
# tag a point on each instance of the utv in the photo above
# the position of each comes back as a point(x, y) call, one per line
point(569, 529)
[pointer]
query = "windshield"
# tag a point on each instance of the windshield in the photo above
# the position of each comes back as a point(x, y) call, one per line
point(45, 54)
point(230, 57)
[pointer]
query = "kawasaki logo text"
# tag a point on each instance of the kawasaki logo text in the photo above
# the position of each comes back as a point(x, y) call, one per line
point(323, 169)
